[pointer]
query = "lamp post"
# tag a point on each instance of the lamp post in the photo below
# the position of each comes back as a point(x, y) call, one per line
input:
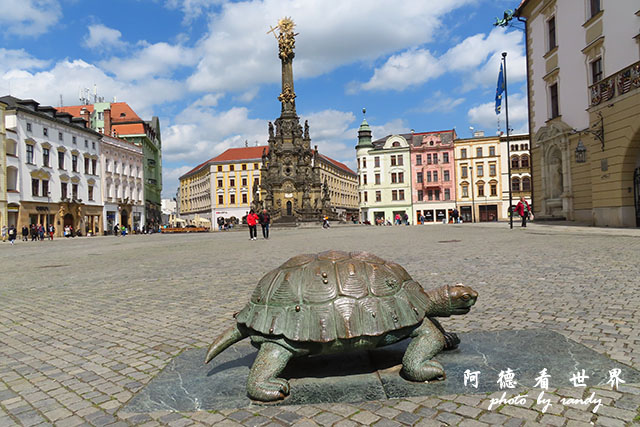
point(473, 199)
point(506, 113)
point(48, 210)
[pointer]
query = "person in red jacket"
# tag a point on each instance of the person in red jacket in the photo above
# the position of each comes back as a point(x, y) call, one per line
point(252, 220)
point(524, 210)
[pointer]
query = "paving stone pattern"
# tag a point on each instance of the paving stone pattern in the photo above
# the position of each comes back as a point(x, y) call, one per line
point(86, 323)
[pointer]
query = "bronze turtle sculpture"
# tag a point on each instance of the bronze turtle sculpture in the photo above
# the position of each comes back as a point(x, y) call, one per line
point(335, 302)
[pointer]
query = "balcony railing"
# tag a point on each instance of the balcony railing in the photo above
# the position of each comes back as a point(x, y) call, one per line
point(615, 85)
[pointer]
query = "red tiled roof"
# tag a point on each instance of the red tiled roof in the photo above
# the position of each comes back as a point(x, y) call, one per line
point(129, 129)
point(232, 154)
point(338, 164)
point(74, 110)
point(120, 111)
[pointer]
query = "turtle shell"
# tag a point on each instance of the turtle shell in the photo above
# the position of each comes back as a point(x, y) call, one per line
point(334, 295)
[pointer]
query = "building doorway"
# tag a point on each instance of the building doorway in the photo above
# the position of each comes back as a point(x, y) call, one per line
point(465, 214)
point(488, 213)
point(68, 220)
point(636, 193)
point(289, 208)
point(124, 219)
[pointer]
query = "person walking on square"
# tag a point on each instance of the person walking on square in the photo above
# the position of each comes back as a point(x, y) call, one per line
point(4, 233)
point(41, 232)
point(116, 230)
point(455, 214)
point(252, 220)
point(34, 232)
point(12, 234)
point(524, 210)
point(405, 218)
point(25, 233)
point(52, 230)
point(265, 222)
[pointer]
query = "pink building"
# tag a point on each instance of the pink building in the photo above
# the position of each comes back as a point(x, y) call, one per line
point(432, 175)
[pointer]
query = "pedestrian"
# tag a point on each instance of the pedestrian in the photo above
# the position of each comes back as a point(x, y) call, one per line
point(455, 214)
point(124, 230)
point(220, 223)
point(252, 220)
point(421, 219)
point(52, 230)
point(265, 222)
point(397, 219)
point(405, 217)
point(4, 233)
point(12, 234)
point(25, 233)
point(34, 233)
point(325, 222)
point(41, 232)
point(116, 230)
point(524, 210)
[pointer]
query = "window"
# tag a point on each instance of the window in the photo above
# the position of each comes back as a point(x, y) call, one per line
point(400, 177)
point(377, 177)
point(464, 172)
point(74, 163)
point(86, 165)
point(86, 144)
point(364, 162)
point(595, 7)
point(45, 157)
point(219, 168)
point(29, 153)
point(231, 168)
point(376, 162)
point(364, 179)
point(244, 167)
point(394, 195)
point(94, 164)
point(524, 161)
point(395, 144)
point(551, 31)
point(73, 139)
point(429, 176)
point(90, 192)
point(420, 195)
point(63, 190)
point(429, 161)
point(430, 194)
point(435, 176)
point(480, 190)
point(74, 191)
point(394, 178)
point(45, 131)
point(480, 170)
point(526, 184)
point(447, 194)
point(436, 194)
point(358, 160)
point(393, 160)
point(244, 180)
point(494, 189)
point(465, 191)
point(378, 196)
point(400, 194)
point(478, 151)
point(45, 188)
point(492, 169)
point(35, 187)
point(463, 153)
point(255, 166)
point(28, 127)
point(220, 199)
point(418, 159)
point(400, 160)
point(366, 197)
point(232, 199)
point(445, 157)
point(435, 158)
point(445, 176)
point(256, 182)
point(515, 162)
point(60, 137)
point(244, 198)
point(232, 182)
point(596, 71)
point(553, 95)
point(515, 184)
point(419, 178)
point(492, 151)
point(220, 184)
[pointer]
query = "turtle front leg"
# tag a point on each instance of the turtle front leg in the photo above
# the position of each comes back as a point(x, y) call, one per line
point(263, 383)
point(450, 338)
point(417, 363)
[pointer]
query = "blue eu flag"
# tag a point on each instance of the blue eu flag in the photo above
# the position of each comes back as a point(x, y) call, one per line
point(499, 91)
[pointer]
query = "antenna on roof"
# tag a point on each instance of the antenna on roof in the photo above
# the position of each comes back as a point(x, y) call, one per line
point(256, 143)
point(246, 143)
point(61, 103)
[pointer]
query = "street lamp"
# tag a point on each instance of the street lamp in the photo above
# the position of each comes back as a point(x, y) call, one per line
point(48, 211)
point(473, 199)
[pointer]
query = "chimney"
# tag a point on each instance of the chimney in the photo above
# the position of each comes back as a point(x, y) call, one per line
point(478, 134)
point(107, 121)
point(84, 114)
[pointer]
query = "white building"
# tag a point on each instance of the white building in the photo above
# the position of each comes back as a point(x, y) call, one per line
point(122, 163)
point(52, 169)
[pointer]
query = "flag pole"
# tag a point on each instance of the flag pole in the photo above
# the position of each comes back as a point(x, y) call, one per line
point(506, 113)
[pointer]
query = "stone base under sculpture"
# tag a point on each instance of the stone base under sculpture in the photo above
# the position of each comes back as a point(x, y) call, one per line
point(187, 384)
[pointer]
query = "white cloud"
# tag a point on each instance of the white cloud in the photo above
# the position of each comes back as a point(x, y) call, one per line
point(103, 37)
point(29, 18)
point(171, 179)
point(484, 115)
point(341, 37)
point(477, 58)
point(438, 102)
point(19, 59)
point(192, 8)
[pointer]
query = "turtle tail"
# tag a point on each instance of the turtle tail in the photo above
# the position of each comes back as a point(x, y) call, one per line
point(227, 339)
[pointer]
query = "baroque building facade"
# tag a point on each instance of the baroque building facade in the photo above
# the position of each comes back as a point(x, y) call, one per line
point(53, 175)
point(342, 183)
point(519, 158)
point(4, 220)
point(583, 76)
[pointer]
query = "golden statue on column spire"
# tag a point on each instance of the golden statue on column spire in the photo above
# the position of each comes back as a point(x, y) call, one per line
point(285, 37)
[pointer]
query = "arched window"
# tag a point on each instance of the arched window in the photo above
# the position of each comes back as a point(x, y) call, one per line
point(515, 184)
point(395, 144)
point(526, 184)
point(524, 161)
point(515, 162)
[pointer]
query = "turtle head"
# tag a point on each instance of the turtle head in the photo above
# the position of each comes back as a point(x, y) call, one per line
point(461, 298)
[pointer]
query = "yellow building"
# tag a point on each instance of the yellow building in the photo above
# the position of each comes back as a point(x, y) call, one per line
point(3, 169)
point(479, 192)
point(583, 78)
point(343, 186)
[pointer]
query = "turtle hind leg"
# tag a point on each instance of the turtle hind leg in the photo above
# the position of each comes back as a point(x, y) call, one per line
point(263, 383)
point(417, 363)
point(451, 338)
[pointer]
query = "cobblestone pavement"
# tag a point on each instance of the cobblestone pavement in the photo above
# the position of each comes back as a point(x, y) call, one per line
point(85, 323)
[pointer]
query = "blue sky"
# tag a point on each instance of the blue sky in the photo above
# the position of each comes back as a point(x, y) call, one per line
point(210, 71)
